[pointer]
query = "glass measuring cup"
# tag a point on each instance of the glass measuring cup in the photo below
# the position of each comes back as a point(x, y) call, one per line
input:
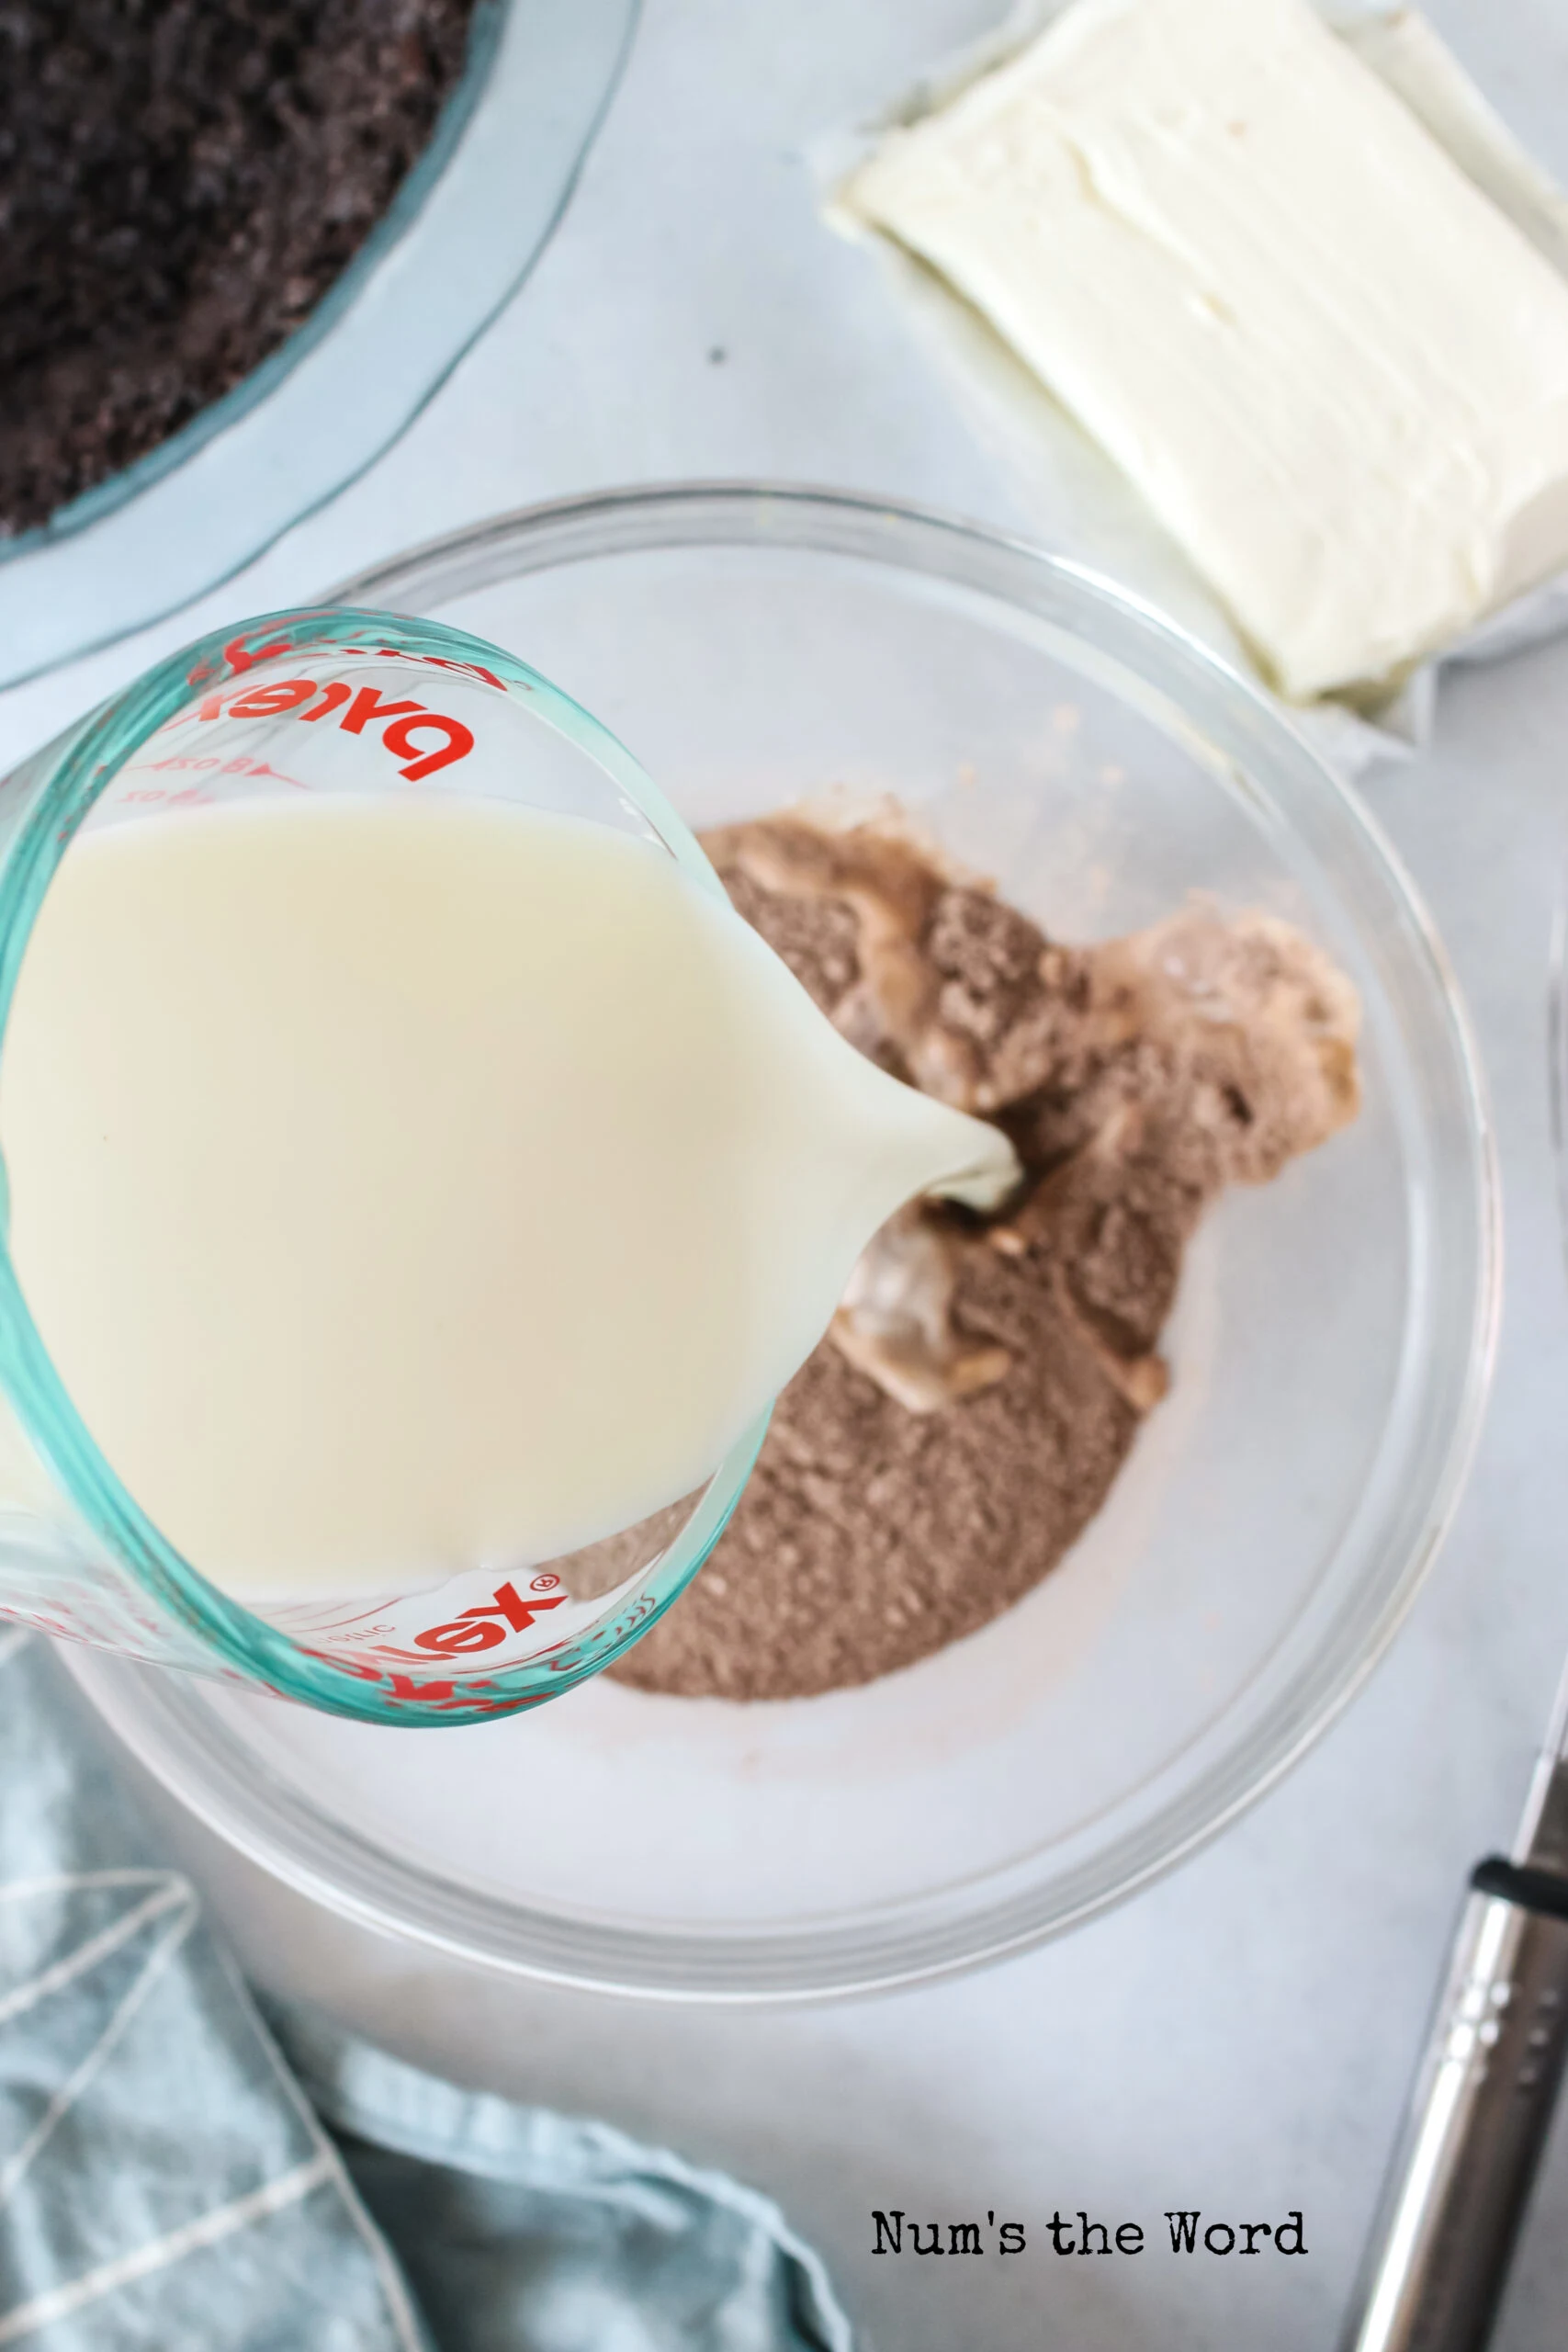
point(344, 702)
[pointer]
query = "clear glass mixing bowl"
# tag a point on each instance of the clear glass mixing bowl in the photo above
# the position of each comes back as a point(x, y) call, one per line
point(1330, 1349)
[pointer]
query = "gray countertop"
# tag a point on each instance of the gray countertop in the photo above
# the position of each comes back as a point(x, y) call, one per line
point(1238, 2039)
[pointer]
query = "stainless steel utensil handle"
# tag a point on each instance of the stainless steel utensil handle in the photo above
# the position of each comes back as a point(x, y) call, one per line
point(1438, 2255)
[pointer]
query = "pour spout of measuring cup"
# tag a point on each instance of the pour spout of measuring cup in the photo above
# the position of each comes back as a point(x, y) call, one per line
point(934, 1151)
point(987, 1182)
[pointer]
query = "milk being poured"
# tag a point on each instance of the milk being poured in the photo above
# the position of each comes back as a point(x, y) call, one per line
point(405, 1183)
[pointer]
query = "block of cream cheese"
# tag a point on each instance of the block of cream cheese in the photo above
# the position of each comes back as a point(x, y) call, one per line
point(1335, 370)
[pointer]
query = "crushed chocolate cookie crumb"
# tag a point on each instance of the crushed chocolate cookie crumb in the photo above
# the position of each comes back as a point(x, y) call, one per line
point(180, 182)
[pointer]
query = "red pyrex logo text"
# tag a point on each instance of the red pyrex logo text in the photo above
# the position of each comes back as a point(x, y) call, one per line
point(354, 708)
point(482, 1628)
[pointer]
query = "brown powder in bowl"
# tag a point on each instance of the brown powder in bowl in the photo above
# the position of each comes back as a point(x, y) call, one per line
point(964, 1419)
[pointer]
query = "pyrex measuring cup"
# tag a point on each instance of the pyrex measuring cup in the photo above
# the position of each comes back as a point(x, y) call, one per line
point(339, 702)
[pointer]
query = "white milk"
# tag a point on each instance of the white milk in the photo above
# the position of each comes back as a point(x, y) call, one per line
point(400, 1185)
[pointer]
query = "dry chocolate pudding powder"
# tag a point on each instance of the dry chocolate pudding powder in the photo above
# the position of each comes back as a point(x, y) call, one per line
point(983, 1380)
point(180, 181)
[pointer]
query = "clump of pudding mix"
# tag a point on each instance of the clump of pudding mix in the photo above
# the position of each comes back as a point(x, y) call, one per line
point(984, 1379)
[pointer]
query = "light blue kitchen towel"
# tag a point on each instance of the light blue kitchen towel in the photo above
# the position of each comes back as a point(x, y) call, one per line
point(167, 2185)
point(520, 2228)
